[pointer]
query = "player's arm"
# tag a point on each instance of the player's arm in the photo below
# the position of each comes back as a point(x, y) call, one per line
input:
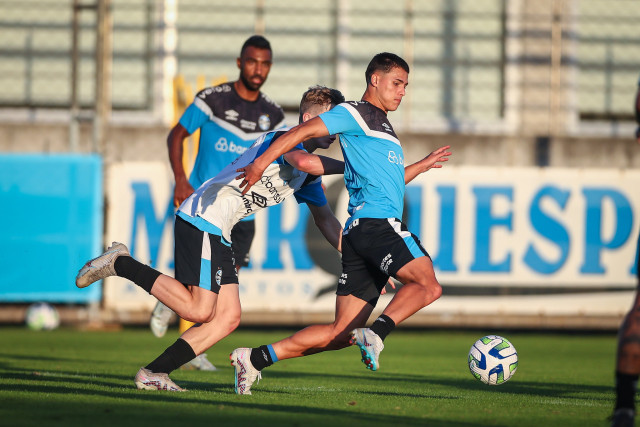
point(175, 142)
point(251, 173)
point(433, 160)
point(638, 114)
point(328, 224)
point(314, 164)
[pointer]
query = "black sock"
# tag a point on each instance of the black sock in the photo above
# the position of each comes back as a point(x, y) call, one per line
point(626, 390)
point(383, 326)
point(140, 274)
point(176, 355)
point(260, 357)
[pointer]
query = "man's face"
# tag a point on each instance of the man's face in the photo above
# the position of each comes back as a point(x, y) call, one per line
point(391, 87)
point(254, 65)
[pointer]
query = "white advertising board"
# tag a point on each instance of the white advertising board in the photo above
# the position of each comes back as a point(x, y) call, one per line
point(503, 240)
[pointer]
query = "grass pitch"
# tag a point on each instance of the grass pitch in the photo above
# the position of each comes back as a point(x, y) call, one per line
point(69, 377)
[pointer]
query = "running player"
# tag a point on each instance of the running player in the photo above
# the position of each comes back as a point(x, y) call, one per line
point(230, 118)
point(628, 358)
point(205, 289)
point(375, 243)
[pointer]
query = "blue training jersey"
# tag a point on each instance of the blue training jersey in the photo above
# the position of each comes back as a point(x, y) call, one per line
point(373, 160)
point(228, 126)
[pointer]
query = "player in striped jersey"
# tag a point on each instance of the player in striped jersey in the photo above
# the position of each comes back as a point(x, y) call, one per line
point(205, 289)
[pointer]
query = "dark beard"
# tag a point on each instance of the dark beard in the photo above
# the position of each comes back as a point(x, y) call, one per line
point(250, 85)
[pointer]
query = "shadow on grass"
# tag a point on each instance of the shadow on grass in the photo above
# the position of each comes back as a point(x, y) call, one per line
point(162, 408)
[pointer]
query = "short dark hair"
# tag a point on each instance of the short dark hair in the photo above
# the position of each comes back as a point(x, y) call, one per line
point(384, 62)
point(319, 95)
point(256, 41)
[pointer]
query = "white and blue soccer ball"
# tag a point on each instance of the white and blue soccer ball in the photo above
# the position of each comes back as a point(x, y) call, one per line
point(493, 360)
point(42, 317)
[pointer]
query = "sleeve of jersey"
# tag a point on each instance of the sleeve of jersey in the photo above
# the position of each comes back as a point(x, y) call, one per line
point(311, 193)
point(339, 120)
point(193, 117)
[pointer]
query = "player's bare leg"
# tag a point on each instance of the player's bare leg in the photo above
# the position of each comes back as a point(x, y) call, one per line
point(226, 319)
point(351, 312)
point(192, 303)
point(420, 288)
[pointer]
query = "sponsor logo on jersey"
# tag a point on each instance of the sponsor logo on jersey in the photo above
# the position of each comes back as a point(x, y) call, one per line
point(247, 124)
point(247, 203)
point(387, 127)
point(216, 89)
point(395, 158)
point(223, 145)
point(258, 199)
point(266, 181)
point(231, 115)
point(264, 122)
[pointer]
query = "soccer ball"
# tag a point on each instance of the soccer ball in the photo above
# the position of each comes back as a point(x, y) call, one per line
point(42, 317)
point(493, 360)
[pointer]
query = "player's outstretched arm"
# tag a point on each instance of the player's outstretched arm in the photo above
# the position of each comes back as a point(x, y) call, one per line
point(433, 160)
point(313, 163)
point(328, 224)
point(251, 173)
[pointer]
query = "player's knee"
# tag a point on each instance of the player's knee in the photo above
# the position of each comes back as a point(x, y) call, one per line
point(432, 291)
point(199, 315)
point(233, 321)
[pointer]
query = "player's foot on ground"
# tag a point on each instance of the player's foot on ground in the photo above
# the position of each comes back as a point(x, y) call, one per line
point(100, 267)
point(160, 318)
point(246, 374)
point(199, 363)
point(623, 417)
point(147, 380)
point(370, 346)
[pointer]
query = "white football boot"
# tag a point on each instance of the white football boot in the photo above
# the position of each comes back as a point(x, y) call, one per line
point(147, 380)
point(160, 318)
point(370, 346)
point(101, 266)
point(199, 363)
point(246, 374)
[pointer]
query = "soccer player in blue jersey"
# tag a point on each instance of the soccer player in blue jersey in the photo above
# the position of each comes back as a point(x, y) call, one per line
point(230, 117)
point(206, 289)
point(375, 243)
point(628, 357)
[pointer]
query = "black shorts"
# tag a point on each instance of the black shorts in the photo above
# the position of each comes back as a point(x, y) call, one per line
point(201, 258)
point(372, 250)
point(241, 237)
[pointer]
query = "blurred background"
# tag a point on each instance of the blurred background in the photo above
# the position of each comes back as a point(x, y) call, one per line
point(533, 222)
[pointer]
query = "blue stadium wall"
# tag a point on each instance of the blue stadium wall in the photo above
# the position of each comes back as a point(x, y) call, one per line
point(51, 222)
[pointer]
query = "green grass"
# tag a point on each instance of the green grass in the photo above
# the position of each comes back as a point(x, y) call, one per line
point(69, 377)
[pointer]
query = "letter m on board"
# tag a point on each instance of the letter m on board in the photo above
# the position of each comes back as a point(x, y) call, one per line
point(144, 215)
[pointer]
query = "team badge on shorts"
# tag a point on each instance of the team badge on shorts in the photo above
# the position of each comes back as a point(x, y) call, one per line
point(264, 122)
point(219, 276)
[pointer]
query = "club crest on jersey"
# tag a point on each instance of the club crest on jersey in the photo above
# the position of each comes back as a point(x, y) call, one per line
point(219, 276)
point(264, 122)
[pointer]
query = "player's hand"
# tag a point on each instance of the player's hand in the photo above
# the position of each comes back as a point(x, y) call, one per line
point(391, 283)
point(181, 191)
point(435, 158)
point(249, 175)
